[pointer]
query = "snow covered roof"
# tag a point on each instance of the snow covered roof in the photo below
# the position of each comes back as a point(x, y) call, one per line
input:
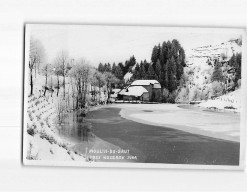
point(116, 91)
point(146, 82)
point(133, 91)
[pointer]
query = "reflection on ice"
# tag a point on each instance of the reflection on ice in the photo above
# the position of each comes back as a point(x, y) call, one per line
point(74, 128)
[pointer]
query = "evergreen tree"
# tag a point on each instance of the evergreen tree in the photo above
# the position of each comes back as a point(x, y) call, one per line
point(163, 54)
point(118, 72)
point(155, 54)
point(101, 67)
point(142, 71)
point(158, 71)
point(130, 69)
point(146, 65)
point(217, 73)
point(233, 61)
point(172, 81)
point(150, 73)
point(113, 70)
point(107, 67)
point(168, 50)
point(136, 72)
point(237, 67)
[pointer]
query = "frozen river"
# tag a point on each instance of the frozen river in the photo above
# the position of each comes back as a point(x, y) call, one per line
point(158, 134)
point(223, 125)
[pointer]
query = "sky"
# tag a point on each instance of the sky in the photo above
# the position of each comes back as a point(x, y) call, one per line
point(117, 43)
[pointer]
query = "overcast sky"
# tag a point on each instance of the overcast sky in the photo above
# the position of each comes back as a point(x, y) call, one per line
point(117, 43)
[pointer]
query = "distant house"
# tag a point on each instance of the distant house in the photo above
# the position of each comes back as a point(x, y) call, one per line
point(143, 90)
point(152, 86)
point(134, 93)
point(114, 94)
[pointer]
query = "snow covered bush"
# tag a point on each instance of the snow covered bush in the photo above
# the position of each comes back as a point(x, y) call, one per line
point(165, 95)
point(217, 88)
point(172, 97)
point(183, 95)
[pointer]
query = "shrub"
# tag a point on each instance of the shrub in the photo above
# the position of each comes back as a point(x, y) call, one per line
point(172, 97)
point(195, 94)
point(30, 131)
point(217, 88)
point(30, 156)
point(165, 95)
point(183, 95)
point(37, 102)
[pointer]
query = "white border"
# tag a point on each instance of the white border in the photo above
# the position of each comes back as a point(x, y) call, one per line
point(243, 117)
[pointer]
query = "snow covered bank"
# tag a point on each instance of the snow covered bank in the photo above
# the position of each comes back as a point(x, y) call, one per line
point(229, 102)
point(217, 125)
point(42, 140)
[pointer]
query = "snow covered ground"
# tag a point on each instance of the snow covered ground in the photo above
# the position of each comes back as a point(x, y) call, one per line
point(217, 125)
point(230, 102)
point(42, 141)
point(41, 137)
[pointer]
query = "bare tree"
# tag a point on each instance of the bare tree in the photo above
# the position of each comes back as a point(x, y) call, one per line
point(81, 72)
point(99, 81)
point(57, 72)
point(46, 71)
point(36, 56)
point(109, 79)
point(62, 64)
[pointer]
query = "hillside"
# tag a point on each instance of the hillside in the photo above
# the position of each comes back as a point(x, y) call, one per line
point(200, 63)
point(200, 60)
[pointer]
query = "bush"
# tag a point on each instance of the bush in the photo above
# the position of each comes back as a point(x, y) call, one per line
point(172, 97)
point(239, 83)
point(195, 94)
point(30, 156)
point(165, 95)
point(183, 95)
point(30, 131)
point(217, 88)
point(37, 102)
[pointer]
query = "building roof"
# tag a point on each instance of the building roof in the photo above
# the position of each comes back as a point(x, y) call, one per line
point(133, 91)
point(116, 91)
point(146, 82)
point(157, 86)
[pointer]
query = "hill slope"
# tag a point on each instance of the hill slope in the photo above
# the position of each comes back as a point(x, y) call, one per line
point(200, 62)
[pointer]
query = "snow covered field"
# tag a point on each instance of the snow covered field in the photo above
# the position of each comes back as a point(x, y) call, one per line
point(217, 125)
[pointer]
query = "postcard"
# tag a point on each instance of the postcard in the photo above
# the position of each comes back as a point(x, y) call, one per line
point(134, 96)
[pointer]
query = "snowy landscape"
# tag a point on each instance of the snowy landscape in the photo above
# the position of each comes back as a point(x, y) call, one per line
point(75, 108)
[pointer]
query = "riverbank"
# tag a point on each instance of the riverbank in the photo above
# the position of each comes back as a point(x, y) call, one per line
point(152, 133)
point(42, 141)
point(230, 102)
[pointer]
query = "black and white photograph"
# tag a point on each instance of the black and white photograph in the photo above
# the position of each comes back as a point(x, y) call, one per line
point(134, 96)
